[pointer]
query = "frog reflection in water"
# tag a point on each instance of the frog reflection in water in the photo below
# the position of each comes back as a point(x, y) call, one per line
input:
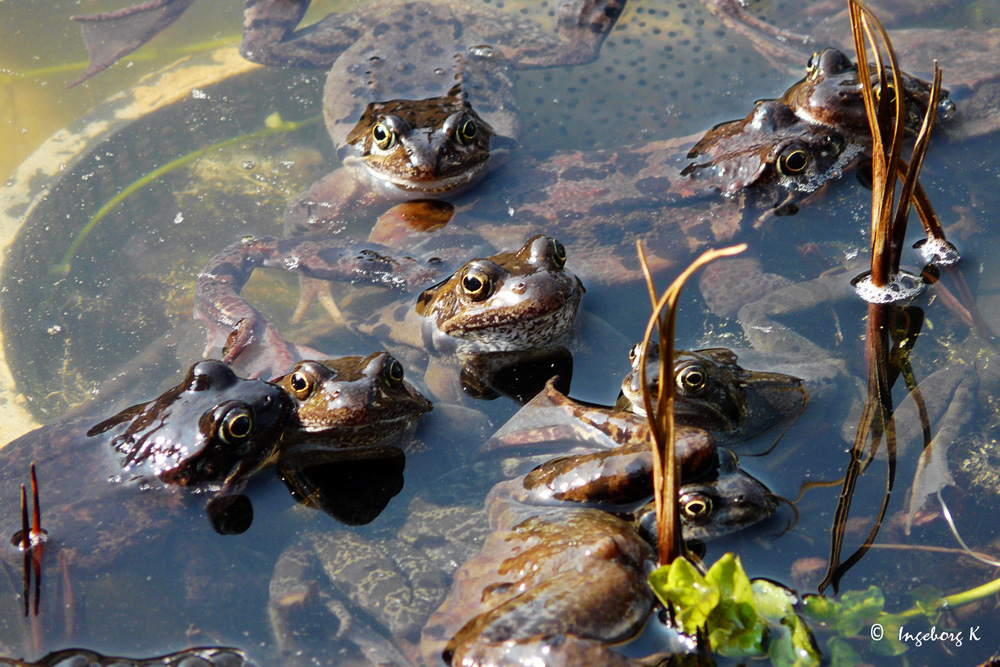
point(109, 489)
point(509, 302)
point(419, 99)
point(401, 581)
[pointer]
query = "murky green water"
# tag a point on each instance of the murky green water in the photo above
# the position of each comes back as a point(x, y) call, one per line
point(669, 70)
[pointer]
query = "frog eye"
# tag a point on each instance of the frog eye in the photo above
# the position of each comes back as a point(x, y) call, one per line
point(467, 131)
point(395, 371)
point(793, 162)
point(692, 378)
point(635, 352)
point(476, 283)
point(383, 136)
point(696, 507)
point(558, 253)
point(301, 383)
point(237, 425)
point(813, 63)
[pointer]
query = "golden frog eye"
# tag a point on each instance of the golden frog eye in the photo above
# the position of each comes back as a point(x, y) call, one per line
point(301, 383)
point(395, 371)
point(476, 283)
point(692, 378)
point(813, 65)
point(467, 130)
point(558, 253)
point(696, 507)
point(634, 352)
point(383, 136)
point(793, 162)
point(237, 425)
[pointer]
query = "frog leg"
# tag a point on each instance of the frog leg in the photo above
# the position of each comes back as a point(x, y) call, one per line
point(581, 29)
point(270, 37)
point(311, 289)
point(110, 36)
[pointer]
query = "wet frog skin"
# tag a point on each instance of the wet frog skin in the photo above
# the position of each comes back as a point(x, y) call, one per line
point(351, 402)
point(195, 657)
point(713, 392)
point(969, 58)
point(140, 477)
point(418, 100)
point(508, 302)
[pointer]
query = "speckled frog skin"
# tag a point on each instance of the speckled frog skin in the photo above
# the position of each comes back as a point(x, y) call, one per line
point(507, 302)
point(419, 100)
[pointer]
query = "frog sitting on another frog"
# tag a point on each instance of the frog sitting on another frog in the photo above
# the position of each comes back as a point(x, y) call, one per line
point(418, 100)
point(400, 581)
point(108, 490)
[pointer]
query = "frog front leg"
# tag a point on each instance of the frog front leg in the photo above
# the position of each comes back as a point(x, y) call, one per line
point(253, 340)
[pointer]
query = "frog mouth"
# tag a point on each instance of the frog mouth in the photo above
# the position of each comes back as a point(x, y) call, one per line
point(426, 183)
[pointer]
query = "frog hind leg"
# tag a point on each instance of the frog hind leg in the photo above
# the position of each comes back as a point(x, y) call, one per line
point(582, 27)
point(270, 37)
point(110, 36)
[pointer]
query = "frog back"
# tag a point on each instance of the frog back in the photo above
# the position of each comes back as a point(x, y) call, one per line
point(417, 52)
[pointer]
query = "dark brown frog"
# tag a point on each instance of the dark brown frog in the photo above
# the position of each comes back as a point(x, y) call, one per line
point(131, 482)
point(968, 55)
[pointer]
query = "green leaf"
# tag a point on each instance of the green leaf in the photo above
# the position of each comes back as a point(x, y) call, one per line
point(681, 585)
point(841, 654)
point(791, 641)
point(858, 610)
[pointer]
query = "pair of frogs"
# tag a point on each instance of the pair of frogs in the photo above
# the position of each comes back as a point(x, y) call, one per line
point(133, 479)
point(546, 532)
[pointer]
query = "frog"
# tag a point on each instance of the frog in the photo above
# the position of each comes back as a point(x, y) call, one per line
point(399, 582)
point(715, 393)
point(198, 443)
point(563, 581)
point(968, 56)
point(510, 302)
point(419, 99)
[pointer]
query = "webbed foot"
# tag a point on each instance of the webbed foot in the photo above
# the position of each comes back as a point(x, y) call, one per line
point(110, 36)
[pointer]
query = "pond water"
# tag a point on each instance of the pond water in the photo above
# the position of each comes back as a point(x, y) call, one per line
point(80, 307)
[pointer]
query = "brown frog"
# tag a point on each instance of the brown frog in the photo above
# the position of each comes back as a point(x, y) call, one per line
point(509, 302)
point(558, 582)
point(419, 99)
point(969, 57)
point(130, 482)
point(715, 393)
point(401, 581)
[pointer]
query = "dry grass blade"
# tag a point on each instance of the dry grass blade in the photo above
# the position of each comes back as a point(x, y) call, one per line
point(661, 419)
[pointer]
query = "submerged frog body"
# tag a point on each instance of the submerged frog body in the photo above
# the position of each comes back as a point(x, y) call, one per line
point(419, 99)
point(969, 57)
point(131, 482)
point(715, 393)
point(508, 302)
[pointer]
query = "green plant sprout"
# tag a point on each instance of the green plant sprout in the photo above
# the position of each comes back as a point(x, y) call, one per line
point(274, 124)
